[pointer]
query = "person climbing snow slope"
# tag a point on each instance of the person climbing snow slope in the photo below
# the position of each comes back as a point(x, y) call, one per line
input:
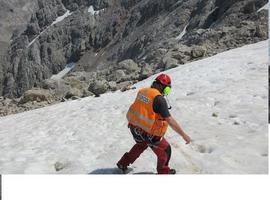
point(148, 118)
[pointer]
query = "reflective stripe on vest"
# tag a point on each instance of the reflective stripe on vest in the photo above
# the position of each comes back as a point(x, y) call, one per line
point(149, 121)
point(136, 123)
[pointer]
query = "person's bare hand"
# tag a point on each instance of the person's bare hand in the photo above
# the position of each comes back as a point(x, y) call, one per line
point(186, 138)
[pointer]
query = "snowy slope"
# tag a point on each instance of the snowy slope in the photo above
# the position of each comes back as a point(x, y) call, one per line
point(90, 135)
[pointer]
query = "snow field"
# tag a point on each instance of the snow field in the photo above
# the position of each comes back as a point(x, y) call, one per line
point(221, 102)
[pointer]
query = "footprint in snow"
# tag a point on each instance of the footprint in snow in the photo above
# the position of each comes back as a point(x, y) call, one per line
point(264, 154)
point(202, 148)
point(197, 147)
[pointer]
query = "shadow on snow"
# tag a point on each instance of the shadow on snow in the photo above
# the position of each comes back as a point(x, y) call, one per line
point(115, 171)
point(106, 171)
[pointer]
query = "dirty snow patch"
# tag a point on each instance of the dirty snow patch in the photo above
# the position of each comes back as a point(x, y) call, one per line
point(64, 72)
point(181, 35)
point(61, 18)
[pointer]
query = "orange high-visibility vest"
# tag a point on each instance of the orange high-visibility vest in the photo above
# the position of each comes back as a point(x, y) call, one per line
point(141, 113)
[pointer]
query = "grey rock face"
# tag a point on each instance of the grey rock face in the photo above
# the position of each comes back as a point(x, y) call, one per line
point(129, 66)
point(36, 95)
point(146, 71)
point(32, 29)
point(67, 88)
point(112, 86)
point(14, 16)
point(99, 87)
point(169, 62)
point(74, 92)
point(198, 51)
point(119, 36)
point(117, 76)
point(130, 69)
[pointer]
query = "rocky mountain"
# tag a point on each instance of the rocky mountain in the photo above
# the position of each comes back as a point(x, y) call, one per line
point(118, 42)
point(14, 16)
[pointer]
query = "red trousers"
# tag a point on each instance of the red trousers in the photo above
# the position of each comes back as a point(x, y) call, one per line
point(162, 150)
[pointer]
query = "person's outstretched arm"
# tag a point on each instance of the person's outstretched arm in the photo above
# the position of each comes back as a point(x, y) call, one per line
point(176, 127)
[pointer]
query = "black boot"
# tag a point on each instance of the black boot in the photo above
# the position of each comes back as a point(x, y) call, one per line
point(172, 171)
point(124, 169)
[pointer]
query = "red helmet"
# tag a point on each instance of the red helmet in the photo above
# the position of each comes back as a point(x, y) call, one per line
point(164, 79)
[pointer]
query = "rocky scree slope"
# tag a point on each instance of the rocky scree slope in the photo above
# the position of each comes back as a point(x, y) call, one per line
point(116, 43)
